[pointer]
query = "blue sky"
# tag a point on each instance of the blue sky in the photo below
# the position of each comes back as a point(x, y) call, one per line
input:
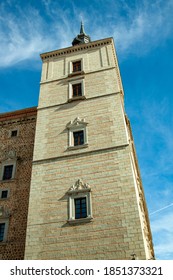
point(143, 34)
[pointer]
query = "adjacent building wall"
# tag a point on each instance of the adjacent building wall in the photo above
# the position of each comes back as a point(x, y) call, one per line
point(17, 151)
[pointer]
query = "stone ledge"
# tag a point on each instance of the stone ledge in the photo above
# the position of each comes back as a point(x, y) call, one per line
point(77, 147)
point(82, 220)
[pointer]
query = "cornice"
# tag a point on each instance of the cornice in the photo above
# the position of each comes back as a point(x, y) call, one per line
point(18, 113)
point(76, 48)
point(18, 116)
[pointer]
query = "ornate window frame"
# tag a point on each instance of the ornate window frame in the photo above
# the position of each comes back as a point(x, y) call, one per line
point(70, 90)
point(74, 126)
point(71, 72)
point(9, 160)
point(79, 190)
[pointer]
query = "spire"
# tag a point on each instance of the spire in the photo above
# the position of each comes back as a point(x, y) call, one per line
point(81, 38)
point(82, 28)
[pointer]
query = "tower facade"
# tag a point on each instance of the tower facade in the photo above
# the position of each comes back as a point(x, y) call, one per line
point(86, 197)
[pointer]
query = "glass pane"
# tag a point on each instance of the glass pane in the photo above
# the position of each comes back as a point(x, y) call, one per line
point(14, 133)
point(78, 138)
point(2, 229)
point(80, 208)
point(76, 66)
point(4, 194)
point(77, 90)
point(8, 169)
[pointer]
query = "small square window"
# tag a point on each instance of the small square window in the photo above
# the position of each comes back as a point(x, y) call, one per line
point(13, 133)
point(78, 137)
point(4, 194)
point(2, 231)
point(77, 90)
point(8, 172)
point(76, 66)
point(80, 208)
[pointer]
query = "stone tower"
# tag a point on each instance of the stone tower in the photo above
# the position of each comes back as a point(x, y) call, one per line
point(86, 198)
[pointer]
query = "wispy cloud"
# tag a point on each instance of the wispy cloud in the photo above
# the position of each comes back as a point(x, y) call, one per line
point(26, 33)
point(144, 26)
point(162, 227)
point(155, 153)
point(22, 35)
point(154, 128)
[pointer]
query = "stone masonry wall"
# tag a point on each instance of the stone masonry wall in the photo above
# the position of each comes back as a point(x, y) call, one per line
point(114, 232)
point(18, 187)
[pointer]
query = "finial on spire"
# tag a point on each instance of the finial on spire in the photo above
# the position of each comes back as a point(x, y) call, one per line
point(82, 28)
point(81, 38)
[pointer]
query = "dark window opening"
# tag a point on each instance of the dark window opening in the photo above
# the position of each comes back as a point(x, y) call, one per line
point(4, 194)
point(76, 66)
point(2, 230)
point(80, 208)
point(78, 137)
point(8, 171)
point(77, 90)
point(13, 133)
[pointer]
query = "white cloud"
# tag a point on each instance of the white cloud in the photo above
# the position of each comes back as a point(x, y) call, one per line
point(25, 32)
point(22, 36)
point(144, 27)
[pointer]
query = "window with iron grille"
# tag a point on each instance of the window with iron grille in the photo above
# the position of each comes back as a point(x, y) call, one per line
point(77, 90)
point(7, 172)
point(80, 208)
point(78, 137)
point(76, 66)
point(2, 230)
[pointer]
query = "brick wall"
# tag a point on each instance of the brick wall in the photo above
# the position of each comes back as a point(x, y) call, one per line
point(18, 150)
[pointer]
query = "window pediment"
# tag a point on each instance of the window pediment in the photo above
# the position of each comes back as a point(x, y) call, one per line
point(76, 123)
point(79, 186)
point(4, 212)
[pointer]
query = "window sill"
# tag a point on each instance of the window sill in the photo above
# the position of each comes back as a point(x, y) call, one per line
point(77, 98)
point(77, 147)
point(77, 73)
point(79, 221)
point(7, 181)
point(4, 242)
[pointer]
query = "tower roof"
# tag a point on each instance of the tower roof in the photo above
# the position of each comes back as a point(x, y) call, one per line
point(81, 38)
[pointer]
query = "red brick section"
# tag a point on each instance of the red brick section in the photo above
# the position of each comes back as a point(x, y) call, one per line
point(17, 202)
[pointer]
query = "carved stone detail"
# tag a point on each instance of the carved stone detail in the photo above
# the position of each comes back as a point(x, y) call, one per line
point(79, 186)
point(4, 212)
point(77, 122)
point(10, 155)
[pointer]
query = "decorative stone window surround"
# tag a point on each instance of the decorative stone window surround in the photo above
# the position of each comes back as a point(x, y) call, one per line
point(79, 190)
point(9, 160)
point(74, 126)
point(71, 73)
point(70, 90)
